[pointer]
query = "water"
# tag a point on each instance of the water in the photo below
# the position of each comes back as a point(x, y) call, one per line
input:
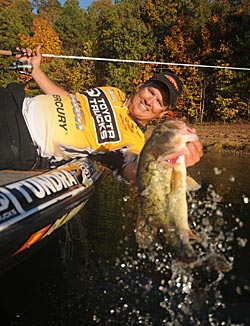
point(91, 272)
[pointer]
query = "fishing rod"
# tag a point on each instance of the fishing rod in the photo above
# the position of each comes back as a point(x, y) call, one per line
point(11, 52)
point(21, 66)
point(15, 52)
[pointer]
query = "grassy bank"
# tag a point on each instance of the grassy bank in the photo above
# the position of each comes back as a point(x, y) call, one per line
point(233, 138)
point(227, 138)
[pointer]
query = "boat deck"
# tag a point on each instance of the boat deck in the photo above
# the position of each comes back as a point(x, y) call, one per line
point(9, 176)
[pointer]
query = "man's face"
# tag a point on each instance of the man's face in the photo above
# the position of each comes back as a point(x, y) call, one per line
point(146, 104)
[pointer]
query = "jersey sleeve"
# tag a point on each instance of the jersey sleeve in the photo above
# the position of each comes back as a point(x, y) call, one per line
point(115, 160)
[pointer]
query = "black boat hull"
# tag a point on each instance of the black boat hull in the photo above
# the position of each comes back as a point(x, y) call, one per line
point(33, 208)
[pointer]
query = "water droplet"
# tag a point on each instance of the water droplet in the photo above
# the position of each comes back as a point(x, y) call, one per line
point(217, 171)
point(245, 200)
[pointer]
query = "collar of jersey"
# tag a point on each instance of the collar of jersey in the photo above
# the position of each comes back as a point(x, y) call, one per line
point(141, 126)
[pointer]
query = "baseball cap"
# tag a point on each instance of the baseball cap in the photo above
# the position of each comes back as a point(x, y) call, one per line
point(173, 83)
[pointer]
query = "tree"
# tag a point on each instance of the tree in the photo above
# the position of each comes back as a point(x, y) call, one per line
point(185, 31)
point(79, 74)
point(44, 35)
point(71, 27)
point(227, 102)
point(48, 9)
point(121, 34)
point(15, 17)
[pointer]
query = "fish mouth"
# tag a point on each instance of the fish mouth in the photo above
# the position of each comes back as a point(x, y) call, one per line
point(164, 154)
point(166, 159)
point(169, 158)
point(171, 161)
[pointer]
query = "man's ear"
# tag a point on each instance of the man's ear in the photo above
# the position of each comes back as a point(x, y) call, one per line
point(163, 114)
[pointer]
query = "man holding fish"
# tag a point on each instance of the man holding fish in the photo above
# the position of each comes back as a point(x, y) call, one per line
point(46, 130)
point(100, 123)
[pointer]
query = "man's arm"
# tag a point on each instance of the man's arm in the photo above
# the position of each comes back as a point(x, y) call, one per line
point(129, 172)
point(46, 85)
point(42, 80)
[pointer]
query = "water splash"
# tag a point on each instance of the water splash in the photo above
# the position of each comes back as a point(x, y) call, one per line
point(149, 288)
point(188, 294)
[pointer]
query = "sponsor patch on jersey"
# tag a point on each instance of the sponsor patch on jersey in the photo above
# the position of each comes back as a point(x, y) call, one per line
point(104, 118)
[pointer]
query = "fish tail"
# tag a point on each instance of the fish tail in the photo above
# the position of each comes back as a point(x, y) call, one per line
point(186, 255)
point(218, 262)
point(193, 236)
point(180, 248)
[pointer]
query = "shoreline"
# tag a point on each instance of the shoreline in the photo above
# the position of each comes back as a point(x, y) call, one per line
point(233, 138)
point(226, 138)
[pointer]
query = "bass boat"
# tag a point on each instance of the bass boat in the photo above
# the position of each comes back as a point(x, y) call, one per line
point(34, 204)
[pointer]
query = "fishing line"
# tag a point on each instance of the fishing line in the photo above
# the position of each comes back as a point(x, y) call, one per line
point(14, 52)
point(143, 62)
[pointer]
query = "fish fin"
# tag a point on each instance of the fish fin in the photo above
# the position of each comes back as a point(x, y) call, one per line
point(176, 180)
point(220, 263)
point(192, 185)
point(217, 262)
point(193, 236)
point(213, 261)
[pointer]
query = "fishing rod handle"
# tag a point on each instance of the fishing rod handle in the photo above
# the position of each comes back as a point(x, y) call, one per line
point(12, 52)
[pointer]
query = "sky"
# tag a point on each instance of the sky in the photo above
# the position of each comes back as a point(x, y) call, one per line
point(83, 3)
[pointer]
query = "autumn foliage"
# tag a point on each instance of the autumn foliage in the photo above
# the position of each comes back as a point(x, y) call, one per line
point(180, 33)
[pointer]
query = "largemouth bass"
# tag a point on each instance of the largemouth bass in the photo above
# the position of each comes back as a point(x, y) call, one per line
point(162, 185)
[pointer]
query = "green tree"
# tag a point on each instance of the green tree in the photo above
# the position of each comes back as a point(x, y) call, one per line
point(227, 102)
point(48, 9)
point(121, 34)
point(15, 17)
point(71, 27)
point(78, 75)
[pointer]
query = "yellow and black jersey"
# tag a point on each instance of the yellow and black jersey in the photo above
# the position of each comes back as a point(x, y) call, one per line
point(95, 121)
